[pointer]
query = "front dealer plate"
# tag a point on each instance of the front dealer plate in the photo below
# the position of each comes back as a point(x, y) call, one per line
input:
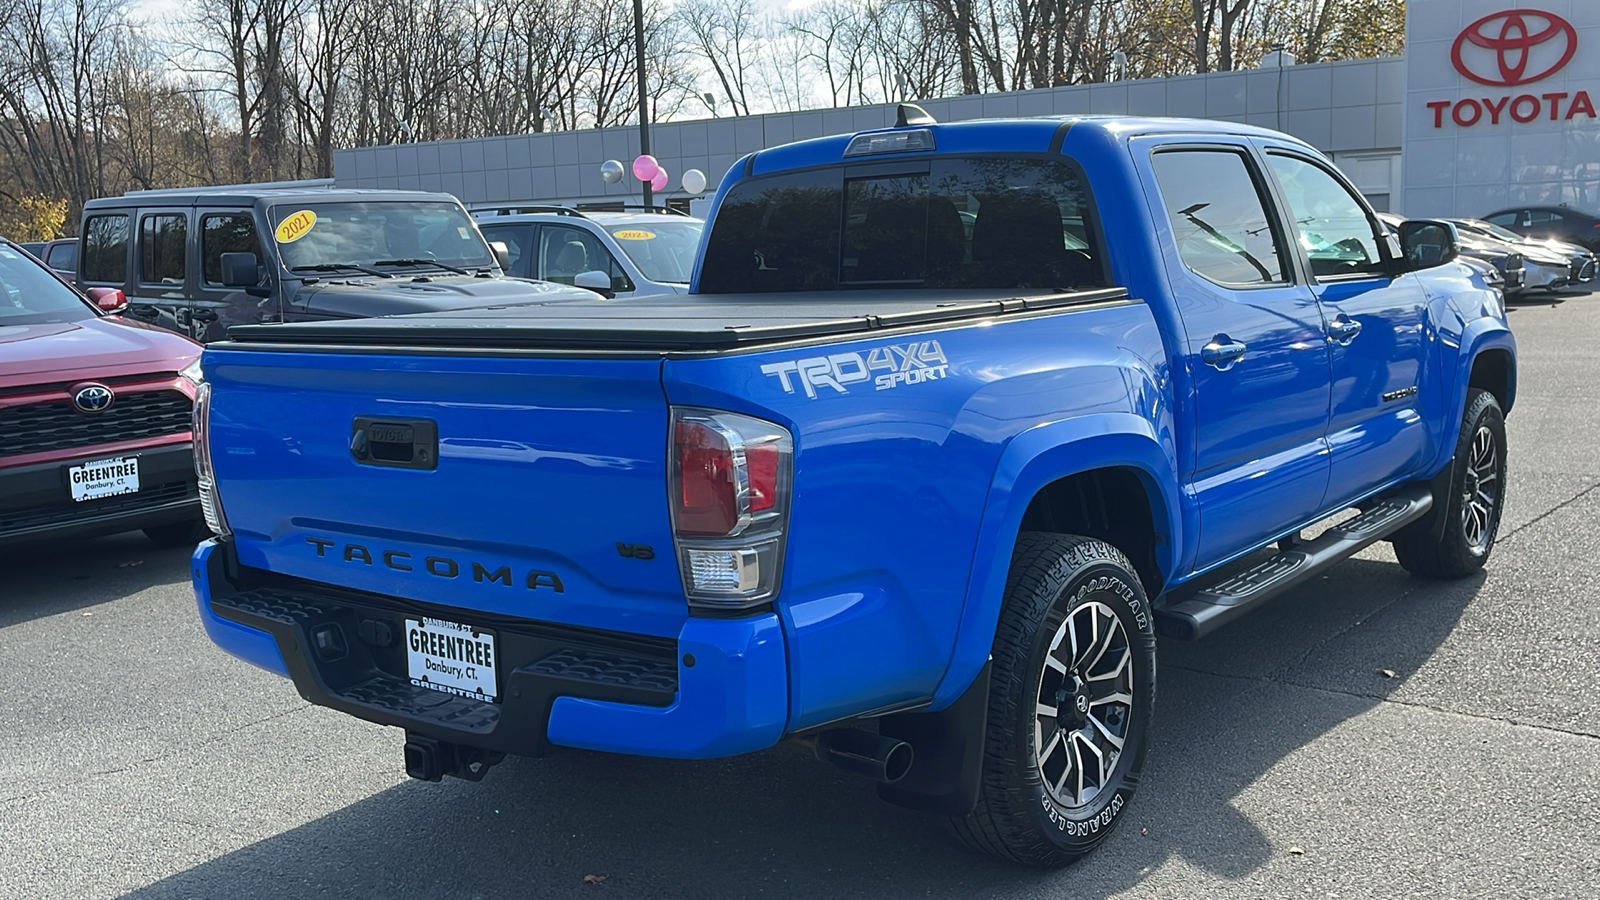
point(104, 478)
point(451, 657)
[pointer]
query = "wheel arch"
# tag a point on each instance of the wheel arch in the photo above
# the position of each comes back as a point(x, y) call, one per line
point(1045, 477)
point(1487, 360)
point(1494, 369)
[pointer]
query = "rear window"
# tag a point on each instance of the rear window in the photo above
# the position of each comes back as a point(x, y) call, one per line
point(64, 256)
point(981, 222)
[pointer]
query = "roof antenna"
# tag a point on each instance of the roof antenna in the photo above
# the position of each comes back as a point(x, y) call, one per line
point(912, 114)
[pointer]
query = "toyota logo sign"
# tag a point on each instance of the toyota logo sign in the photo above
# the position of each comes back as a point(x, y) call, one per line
point(1499, 48)
point(93, 398)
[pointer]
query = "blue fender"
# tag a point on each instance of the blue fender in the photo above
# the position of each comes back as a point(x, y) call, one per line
point(1032, 460)
point(1480, 335)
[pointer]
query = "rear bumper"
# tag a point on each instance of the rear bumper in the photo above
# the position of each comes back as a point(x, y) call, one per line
point(36, 501)
point(721, 688)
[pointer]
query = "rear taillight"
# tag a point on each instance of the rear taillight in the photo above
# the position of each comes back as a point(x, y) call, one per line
point(210, 505)
point(731, 477)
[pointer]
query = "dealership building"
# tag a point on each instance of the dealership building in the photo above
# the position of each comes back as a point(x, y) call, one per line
point(1492, 105)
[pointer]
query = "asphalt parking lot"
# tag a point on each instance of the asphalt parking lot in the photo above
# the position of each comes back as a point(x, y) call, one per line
point(1370, 735)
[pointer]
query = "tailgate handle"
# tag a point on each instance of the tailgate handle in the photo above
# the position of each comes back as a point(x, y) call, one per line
point(397, 443)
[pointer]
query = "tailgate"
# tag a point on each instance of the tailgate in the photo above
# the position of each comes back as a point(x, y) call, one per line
point(548, 486)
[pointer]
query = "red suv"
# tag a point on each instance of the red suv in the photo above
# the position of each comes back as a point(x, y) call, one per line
point(94, 414)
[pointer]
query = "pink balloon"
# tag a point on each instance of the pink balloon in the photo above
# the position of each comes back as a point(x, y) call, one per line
point(659, 183)
point(645, 167)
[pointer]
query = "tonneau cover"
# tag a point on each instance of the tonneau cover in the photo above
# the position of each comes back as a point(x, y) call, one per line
point(668, 323)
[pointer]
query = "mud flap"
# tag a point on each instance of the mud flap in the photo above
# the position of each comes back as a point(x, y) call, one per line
point(948, 748)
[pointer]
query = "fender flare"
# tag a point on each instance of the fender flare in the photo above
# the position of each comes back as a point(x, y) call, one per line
point(1031, 460)
point(1479, 336)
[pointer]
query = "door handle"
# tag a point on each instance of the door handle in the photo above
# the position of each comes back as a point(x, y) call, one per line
point(1344, 329)
point(204, 315)
point(1222, 353)
point(144, 311)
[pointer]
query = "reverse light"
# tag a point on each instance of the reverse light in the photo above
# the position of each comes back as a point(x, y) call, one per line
point(731, 477)
point(205, 478)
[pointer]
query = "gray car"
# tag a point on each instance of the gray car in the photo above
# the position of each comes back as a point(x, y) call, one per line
point(1580, 261)
point(631, 253)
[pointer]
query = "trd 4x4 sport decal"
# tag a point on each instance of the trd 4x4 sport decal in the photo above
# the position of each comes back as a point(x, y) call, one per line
point(911, 363)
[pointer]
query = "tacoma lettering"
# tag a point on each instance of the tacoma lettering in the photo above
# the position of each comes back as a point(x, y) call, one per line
point(437, 566)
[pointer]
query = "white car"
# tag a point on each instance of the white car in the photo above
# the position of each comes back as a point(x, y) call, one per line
point(639, 253)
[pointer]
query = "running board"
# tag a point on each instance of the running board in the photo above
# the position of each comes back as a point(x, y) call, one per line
point(1221, 603)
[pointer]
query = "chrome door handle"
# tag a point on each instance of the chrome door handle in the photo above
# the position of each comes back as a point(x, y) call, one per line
point(1344, 329)
point(1222, 353)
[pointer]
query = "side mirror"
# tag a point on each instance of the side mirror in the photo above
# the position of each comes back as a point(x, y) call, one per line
point(1426, 243)
point(596, 281)
point(239, 270)
point(108, 299)
point(502, 254)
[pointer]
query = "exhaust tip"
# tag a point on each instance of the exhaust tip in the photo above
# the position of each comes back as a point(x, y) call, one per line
point(882, 758)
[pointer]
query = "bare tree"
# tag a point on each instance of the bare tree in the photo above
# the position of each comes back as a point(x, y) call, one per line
point(727, 35)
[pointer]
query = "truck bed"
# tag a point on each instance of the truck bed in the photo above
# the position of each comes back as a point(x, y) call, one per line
point(706, 322)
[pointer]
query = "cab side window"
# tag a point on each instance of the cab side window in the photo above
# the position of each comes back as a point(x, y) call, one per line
point(105, 249)
point(1218, 217)
point(565, 253)
point(225, 233)
point(163, 249)
point(1333, 228)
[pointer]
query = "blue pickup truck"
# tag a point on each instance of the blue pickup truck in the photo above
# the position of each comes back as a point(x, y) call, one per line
point(955, 420)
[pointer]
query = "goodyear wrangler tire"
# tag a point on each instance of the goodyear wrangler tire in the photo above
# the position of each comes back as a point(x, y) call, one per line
point(1071, 694)
point(1471, 503)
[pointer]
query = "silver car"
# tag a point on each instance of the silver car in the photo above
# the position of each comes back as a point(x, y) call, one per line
point(1576, 263)
point(638, 253)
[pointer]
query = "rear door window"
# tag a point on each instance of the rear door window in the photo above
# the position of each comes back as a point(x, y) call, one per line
point(163, 249)
point(105, 249)
point(981, 222)
point(1219, 217)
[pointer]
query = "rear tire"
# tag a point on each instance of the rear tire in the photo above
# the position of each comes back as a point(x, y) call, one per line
point(1471, 504)
point(1070, 700)
point(178, 534)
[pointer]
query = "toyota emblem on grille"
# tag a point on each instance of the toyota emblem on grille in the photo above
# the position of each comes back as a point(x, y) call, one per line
point(93, 398)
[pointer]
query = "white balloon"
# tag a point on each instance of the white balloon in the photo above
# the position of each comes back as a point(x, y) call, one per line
point(611, 171)
point(694, 181)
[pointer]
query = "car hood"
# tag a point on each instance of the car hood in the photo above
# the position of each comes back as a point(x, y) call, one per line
point(363, 297)
point(98, 347)
point(1565, 248)
point(1543, 256)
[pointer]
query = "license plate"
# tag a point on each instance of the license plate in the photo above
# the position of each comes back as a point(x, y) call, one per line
point(451, 657)
point(104, 478)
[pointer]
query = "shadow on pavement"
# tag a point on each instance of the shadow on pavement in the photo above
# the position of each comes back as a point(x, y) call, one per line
point(778, 823)
point(44, 579)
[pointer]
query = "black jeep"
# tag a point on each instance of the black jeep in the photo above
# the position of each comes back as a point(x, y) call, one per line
point(197, 261)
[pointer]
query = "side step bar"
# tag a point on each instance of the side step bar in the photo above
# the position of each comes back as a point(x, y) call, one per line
point(1236, 595)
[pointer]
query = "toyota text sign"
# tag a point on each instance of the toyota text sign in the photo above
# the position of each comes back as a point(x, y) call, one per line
point(1514, 48)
